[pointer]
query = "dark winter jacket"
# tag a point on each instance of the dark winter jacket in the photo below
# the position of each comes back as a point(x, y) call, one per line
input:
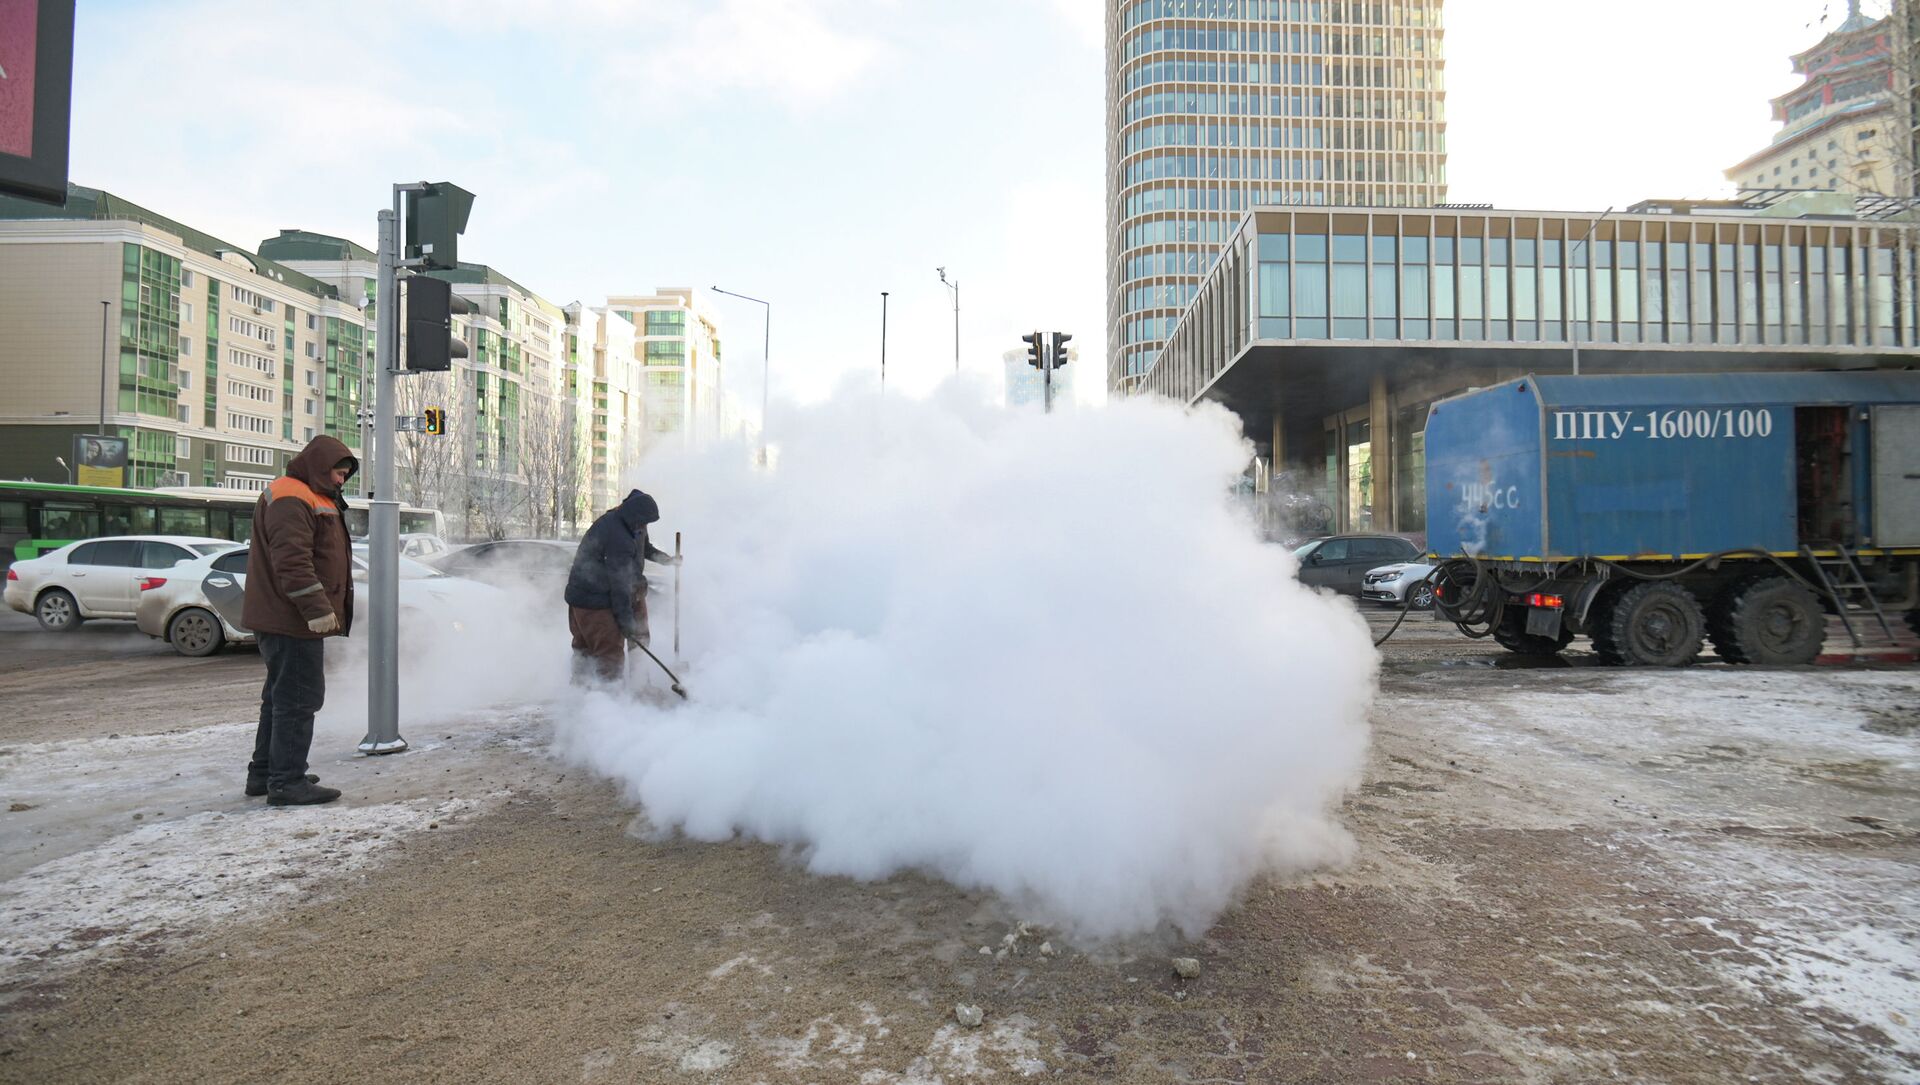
point(300, 560)
point(606, 572)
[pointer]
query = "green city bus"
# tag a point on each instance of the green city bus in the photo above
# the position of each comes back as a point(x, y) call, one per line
point(36, 517)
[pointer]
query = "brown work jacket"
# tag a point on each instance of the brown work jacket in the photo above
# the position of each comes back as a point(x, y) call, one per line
point(300, 560)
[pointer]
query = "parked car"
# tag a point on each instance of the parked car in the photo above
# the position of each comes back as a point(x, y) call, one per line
point(1390, 584)
point(98, 578)
point(424, 547)
point(513, 563)
point(197, 608)
point(1341, 562)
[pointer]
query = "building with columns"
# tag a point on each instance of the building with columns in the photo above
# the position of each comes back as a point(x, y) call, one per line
point(1330, 331)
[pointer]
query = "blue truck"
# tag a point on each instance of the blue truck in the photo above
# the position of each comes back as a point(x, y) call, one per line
point(1650, 512)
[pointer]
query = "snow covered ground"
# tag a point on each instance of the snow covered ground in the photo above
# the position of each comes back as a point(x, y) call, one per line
point(1560, 875)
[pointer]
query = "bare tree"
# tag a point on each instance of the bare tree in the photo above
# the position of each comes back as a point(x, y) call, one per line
point(550, 448)
point(427, 463)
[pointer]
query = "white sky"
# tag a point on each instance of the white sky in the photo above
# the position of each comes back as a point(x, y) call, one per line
point(817, 152)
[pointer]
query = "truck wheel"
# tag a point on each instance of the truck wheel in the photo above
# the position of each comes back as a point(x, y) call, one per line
point(1654, 623)
point(1770, 620)
point(1512, 635)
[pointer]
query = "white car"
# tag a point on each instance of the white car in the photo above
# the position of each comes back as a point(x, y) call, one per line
point(98, 578)
point(198, 607)
point(1390, 584)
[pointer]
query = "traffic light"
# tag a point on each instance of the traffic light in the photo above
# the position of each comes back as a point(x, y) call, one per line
point(436, 420)
point(431, 307)
point(436, 217)
point(1035, 344)
point(1060, 348)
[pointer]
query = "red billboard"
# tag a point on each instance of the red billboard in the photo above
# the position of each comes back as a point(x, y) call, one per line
point(36, 91)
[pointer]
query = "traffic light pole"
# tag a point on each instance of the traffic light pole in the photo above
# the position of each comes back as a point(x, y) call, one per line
point(1047, 377)
point(383, 528)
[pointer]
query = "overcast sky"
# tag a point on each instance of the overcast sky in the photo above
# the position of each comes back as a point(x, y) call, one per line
point(817, 152)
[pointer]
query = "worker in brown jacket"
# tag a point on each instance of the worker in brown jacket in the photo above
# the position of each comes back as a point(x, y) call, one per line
point(299, 592)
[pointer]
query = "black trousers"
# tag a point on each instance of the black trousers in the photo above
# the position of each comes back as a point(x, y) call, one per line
point(296, 688)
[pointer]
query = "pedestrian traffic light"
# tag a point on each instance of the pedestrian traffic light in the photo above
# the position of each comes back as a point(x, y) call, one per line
point(1060, 348)
point(1036, 343)
point(436, 420)
point(431, 307)
point(436, 217)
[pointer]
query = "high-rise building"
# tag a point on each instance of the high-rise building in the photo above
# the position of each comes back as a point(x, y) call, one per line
point(679, 347)
point(1841, 127)
point(1215, 107)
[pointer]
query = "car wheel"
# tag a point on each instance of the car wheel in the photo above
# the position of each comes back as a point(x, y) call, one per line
point(1423, 595)
point(195, 632)
point(57, 612)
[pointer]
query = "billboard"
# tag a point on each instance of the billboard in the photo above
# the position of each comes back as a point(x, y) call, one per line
point(99, 460)
point(36, 91)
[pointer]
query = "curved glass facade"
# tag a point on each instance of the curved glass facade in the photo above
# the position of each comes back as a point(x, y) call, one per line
point(1215, 107)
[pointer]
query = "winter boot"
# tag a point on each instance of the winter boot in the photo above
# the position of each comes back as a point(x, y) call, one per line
point(300, 793)
point(257, 785)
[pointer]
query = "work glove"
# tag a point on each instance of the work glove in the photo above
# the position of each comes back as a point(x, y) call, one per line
point(326, 623)
point(674, 560)
point(640, 640)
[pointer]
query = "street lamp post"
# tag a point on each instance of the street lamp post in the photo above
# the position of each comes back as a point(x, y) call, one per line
point(954, 286)
point(1573, 324)
point(883, 342)
point(105, 309)
point(766, 348)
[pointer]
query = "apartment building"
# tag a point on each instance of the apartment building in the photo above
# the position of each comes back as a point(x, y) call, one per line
point(506, 462)
point(217, 364)
point(684, 398)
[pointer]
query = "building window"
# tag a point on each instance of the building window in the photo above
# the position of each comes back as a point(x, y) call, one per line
point(182, 448)
point(186, 379)
point(309, 406)
point(313, 322)
point(186, 277)
point(313, 379)
point(1867, 134)
point(186, 345)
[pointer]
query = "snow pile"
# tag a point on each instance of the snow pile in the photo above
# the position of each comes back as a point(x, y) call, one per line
point(1041, 655)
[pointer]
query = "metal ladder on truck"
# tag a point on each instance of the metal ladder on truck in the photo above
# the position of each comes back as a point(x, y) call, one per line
point(1841, 579)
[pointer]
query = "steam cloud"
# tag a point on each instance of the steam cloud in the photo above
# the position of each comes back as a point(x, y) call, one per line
point(1041, 655)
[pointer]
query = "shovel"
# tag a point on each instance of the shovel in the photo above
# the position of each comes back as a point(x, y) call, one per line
point(677, 687)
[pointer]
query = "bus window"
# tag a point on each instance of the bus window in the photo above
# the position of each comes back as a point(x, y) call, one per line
point(417, 523)
point(242, 525)
point(357, 523)
point(13, 517)
point(183, 521)
point(65, 521)
point(114, 520)
point(222, 523)
point(142, 517)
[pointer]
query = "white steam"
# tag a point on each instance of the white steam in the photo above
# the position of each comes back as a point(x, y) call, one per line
point(1041, 655)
